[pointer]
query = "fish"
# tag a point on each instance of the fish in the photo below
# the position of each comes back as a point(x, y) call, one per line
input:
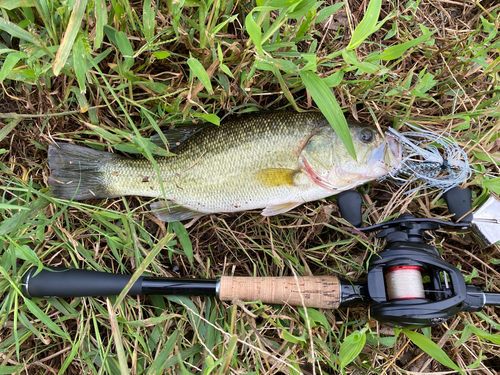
point(273, 161)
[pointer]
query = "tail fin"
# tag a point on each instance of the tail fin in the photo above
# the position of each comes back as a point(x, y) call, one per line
point(76, 171)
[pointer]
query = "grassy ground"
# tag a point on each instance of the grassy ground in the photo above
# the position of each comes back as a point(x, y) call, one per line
point(110, 74)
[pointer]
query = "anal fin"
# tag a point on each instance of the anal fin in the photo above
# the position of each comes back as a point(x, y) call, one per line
point(276, 209)
point(170, 211)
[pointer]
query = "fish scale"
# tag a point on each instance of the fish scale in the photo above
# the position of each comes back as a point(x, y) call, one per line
point(252, 162)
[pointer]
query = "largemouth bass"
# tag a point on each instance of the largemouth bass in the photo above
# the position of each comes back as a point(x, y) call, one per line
point(275, 161)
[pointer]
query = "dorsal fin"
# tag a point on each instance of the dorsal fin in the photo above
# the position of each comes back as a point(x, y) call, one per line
point(178, 134)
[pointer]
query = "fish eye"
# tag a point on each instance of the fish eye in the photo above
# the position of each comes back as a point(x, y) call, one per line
point(366, 135)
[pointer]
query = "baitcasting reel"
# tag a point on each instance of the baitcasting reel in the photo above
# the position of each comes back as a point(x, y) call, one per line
point(408, 284)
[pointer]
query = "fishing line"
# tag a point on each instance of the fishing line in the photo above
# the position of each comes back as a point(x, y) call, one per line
point(404, 282)
point(436, 159)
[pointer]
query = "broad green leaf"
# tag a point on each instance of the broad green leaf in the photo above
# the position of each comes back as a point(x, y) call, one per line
point(312, 62)
point(282, 3)
point(148, 18)
point(351, 347)
point(367, 26)
point(302, 8)
point(392, 31)
point(210, 117)
point(26, 253)
point(124, 46)
point(494, 338)
point(287, 336)
point(66, 45)
point(101, 14)
point(9, 63)
point(4, 132)
point(160, 55)
point(431, 348)
point(4, 370)
point(326, 102)
point(268, 63)
point(426, 83)
point(427, 332)
point(492, 184)
point(219, 27)
point(316, 317)
point(226, 70)
point(13, 4)
point(349, 57)
point(255, 32)
point(388, 341)
point(335, 79)
point(80, 63)
point(326, 12)
point(395, 52)
point(199, 72)
point(13, 30)
point(468, 278)
point(183, 236)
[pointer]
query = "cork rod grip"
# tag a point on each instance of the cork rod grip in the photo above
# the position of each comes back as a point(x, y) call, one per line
point(315, 291)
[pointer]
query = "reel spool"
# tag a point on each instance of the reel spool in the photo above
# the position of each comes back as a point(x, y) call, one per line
point(404, 282)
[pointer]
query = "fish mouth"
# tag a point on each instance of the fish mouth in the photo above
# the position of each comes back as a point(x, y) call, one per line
point(394, 154)
point(394, 147)
point(389, 154)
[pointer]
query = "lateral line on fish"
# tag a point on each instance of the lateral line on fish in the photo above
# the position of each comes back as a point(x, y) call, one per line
point(195, 162)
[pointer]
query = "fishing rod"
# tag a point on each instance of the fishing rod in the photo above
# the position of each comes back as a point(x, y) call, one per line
point(408, 284)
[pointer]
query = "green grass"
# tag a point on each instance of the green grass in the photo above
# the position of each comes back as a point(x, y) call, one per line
point(110, 74)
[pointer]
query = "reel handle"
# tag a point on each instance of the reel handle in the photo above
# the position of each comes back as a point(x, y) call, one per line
point(459, 202)
point(349, 203)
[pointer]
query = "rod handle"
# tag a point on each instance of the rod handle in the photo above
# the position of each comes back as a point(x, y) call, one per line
point(69, 283)
point(308, 291)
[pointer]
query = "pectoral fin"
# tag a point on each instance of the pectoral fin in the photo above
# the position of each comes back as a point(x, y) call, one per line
point(170, 211)
point(274, 177)
point(276, 209)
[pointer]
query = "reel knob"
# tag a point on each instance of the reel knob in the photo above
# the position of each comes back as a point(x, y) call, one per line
point(349, 203)
point(459, 203)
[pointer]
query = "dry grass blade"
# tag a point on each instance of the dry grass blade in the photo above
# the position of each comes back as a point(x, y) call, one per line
point(120, 352)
